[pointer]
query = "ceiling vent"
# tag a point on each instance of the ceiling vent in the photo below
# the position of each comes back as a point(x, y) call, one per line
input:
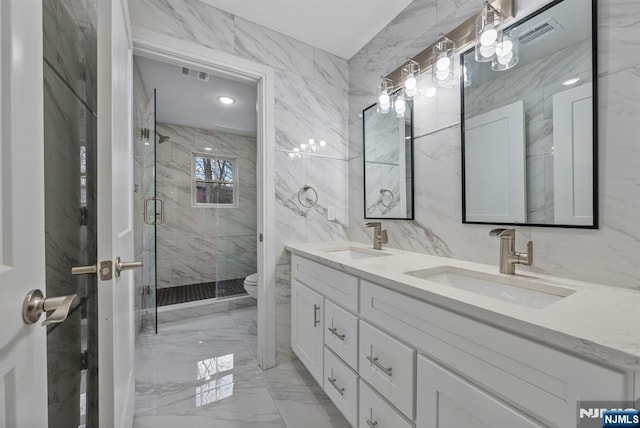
point(200, 75)
point(540, 31)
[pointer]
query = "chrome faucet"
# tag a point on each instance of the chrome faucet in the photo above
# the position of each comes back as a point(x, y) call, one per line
point(379, 234)
point(508, 255)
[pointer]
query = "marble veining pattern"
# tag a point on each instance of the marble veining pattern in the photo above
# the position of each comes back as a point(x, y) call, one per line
point(604, 255)
point(192, 374)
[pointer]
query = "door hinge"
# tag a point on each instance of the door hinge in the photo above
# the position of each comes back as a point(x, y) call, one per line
point(144, 133)
point(84, 216)
point(145, 290)
point(106, 270)
point(260, 237)
point(84, 359)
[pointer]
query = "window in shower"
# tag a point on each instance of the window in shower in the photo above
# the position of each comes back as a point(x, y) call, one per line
point(214, 181)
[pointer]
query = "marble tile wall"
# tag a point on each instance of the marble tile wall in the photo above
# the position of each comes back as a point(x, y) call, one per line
point(202, 244)
point(607, 255)
point(70, 211)
point(312, 102)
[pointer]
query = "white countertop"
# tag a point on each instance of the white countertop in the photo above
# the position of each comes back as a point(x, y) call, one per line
point(597, 321)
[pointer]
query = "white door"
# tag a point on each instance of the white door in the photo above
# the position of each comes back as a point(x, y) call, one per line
point(573, 156)
point(23, 366)
point(115, 218)
point(495, 166)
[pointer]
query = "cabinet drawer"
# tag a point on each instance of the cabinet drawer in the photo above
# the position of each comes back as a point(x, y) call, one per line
point(333, 284)
point(388, 366)
point(539, 379)
point(341, 333)
point(341, 385)
point(377, 413)
point(446, 400)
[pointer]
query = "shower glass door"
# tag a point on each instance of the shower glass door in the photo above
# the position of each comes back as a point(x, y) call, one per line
point(152, 216)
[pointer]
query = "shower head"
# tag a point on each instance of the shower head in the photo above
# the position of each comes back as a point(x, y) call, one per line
point(162, 138)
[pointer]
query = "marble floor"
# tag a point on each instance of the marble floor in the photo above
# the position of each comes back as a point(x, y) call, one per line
point(202, 372)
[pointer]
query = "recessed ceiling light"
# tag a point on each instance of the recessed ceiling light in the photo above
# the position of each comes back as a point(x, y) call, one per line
point(208, 148)
point(226, 100)
point(571, 81)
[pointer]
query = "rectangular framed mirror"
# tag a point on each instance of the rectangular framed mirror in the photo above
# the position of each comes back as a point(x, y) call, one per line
point(529, 132)
point(388, 163)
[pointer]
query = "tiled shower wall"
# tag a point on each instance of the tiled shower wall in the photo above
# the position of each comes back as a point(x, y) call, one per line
point(311, 102)
point(607, 255)
point(204, 244)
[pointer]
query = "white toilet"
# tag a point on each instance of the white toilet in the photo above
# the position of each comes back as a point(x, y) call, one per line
point(251, 285)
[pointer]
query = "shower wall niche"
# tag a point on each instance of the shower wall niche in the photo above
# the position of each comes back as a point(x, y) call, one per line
point(197, 244)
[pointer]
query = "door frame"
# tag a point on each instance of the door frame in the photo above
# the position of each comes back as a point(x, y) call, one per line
point(161, 47)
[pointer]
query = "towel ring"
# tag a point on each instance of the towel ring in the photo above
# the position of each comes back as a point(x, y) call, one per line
point(310, 202)
point(382, 193)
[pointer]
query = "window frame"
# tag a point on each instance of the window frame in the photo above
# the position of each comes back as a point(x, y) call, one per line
point(235, 183)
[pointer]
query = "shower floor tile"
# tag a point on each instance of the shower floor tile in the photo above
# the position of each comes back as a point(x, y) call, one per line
point(202, 372)
point(194, 292)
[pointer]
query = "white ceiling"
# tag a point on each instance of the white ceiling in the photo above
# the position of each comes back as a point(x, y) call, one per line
point(186, 101)
point(341, 27)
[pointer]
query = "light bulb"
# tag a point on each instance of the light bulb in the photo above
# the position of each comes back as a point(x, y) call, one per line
point(411, 92)
point(384, 99)
point(292, 155)
point(303, 146)
point(442, 75)
point(504, 48)
point(487, 51)
point(505, 59)
point(411, 82)
point(296, 149)
point(443, 63)
point(488, 36)
point(312, 141)
point(384, 108)
point(400, 107)
point(431, 92)
point(323, 143)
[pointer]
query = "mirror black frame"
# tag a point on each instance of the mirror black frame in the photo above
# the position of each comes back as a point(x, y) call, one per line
point(594, 61)
point(364, 165)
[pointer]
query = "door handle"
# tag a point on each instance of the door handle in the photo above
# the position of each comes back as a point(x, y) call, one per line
point(35, 304)
point(316, 312)
point(120, 266)
point(157, 214)
point(83, 270)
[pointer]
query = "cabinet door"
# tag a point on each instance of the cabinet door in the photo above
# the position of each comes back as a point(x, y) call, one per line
point(307, 328)
point(446, 400)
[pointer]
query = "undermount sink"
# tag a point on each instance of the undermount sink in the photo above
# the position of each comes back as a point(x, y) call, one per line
point(353, 253)
point(514, 289)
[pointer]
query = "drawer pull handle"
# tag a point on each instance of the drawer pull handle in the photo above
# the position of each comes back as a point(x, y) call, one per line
point(334, 331)
point(332, 381)
point(316, 312)
point(374, 360)
point(373, 424)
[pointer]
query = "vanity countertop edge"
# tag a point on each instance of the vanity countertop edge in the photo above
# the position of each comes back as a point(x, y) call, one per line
point(593, 322)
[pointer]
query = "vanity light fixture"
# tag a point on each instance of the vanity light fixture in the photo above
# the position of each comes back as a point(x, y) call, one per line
point(443, 59)
point(572, 81)
point(410, 73)
point(507, 51)
point(226, 100)
point(487, 32)
point(384, 96)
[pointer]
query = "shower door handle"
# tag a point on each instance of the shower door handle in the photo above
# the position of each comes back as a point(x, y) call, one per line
point(157, 213)
point(121, 266)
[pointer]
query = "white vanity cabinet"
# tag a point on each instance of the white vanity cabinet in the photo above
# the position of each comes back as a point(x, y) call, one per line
point(390, 359)
point(445, 400)
point(307, 328)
